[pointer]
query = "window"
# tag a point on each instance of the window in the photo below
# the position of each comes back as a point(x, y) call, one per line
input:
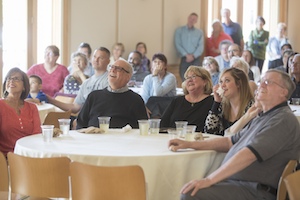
point(249, 18)
point(232, 6)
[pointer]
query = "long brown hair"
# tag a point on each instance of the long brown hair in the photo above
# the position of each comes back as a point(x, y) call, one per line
point(245, 94)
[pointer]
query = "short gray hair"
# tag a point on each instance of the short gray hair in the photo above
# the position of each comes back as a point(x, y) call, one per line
point(241, 62)
point(227, 42)
point(129, 66)
point(82, 55)
point(223, 9)
point(286, 80)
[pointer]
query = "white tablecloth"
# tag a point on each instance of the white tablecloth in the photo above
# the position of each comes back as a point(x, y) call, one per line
point(44, 109)
point(165, 171)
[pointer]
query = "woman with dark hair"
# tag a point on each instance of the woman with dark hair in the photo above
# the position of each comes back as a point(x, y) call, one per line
point(248, 57)
point(18, 118)
point(289, 62)
point(52, 73)
point(232, 100)
point(258, 41)
point(141, 47)
point(160, 82)
point(196, 102)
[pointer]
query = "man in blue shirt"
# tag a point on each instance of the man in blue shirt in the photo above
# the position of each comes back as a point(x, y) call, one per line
point(189, 44)
point(231, 28)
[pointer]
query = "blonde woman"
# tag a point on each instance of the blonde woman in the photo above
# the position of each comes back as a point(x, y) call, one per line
point(217, 36)
point(117, 52)
point(195, 104)
point(212, 66)
point(233, 102)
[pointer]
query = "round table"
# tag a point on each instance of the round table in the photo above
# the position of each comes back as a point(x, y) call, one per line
point(165, 171)
point(44, 109)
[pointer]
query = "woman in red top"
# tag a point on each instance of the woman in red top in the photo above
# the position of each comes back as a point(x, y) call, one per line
point(18, 118)
point(217, 36)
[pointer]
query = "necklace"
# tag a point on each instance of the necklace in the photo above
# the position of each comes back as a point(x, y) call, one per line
point(192, 104)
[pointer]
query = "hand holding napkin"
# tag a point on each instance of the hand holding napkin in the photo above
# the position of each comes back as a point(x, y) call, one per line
point(91, 130)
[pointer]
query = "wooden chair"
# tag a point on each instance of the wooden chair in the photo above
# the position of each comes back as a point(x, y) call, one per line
point(39, 177)
point(4, 180)
point(52, 118)
point(289, 168)
point(292, 183)
point(114, 183)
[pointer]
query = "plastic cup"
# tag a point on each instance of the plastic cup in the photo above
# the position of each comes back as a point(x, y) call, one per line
point(144, 127)
point(173, 133)
point(181, 126)
point(104, 123)
point(190, 132)
point(296, 101)
point(47, 132)
point(154, 126)
point(64, 125)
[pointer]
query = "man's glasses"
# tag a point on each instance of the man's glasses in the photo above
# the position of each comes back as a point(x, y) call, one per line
point(208, 63)
point(191, 77)
point(117, 68)
point(14, 79)
point(270, 82)
point(233, 51)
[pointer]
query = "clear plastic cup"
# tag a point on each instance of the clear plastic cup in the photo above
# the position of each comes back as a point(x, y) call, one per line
point(173, 133)
point(144, 127)
point(190, 132)
point(104, 123)
point(154, 126)
point(47, 132)
point(64, 125)
point(181, 126)
point(296, 101)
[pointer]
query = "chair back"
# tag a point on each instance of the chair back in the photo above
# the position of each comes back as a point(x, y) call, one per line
point(39, 177)
point(52, 118)
point(289, 168)
point(158, 105)
point(4, 180)
point(292, 183)
point(114, 183)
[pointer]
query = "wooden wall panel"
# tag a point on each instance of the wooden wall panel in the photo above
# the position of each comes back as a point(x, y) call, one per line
point(293, 27)
point(175, 15)
point(140, 21)
point(93, 22)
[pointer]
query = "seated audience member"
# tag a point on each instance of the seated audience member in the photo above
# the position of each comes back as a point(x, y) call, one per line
point(223, 59)
point(241, 64)
point(275, 44)
point(141, 47)
point(235, 50)
point(35, 94)
point(211, 65)
point(285, 57)
point(295, 71)
point(18, 118)
point(218, 35)
point(160, 82)
point(73, 81)
point(248, 57)
point(117, 52)
point(278, 62)
point(232, 105)
point(86, 49)
point(116, 101)
point(195, 104)
point(139, 72)
point(290, 62)
point(52, 74)
point(258, 41)
point(98, 81)
point(256, 155)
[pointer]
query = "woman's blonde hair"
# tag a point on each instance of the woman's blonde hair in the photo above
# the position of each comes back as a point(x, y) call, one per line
point(245, 93)
point(201, 72)
point(216, 21)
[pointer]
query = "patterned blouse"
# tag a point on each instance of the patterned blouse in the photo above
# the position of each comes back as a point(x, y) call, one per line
point(71, 85)
point(215, 122)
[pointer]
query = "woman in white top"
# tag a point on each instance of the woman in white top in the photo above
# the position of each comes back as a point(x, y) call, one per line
point(248, 57)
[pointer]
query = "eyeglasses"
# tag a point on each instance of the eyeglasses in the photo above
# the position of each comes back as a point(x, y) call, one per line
point(117, 68)
point(48, 53)
point(14, 79)
point(233, 51)
point(191, 77)
point(270, 82)
point(208, 63)
point(296, 63)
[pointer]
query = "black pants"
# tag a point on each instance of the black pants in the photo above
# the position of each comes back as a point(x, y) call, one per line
point(259, 63)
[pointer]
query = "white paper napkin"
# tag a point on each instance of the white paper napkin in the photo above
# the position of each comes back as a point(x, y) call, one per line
point(126, 128)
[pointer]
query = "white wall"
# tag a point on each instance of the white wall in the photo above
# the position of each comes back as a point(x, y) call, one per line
point(105, 22)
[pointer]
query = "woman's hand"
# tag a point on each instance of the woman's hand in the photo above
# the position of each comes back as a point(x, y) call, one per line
point(75, 67)
point(217, 97)
point(157, 69)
